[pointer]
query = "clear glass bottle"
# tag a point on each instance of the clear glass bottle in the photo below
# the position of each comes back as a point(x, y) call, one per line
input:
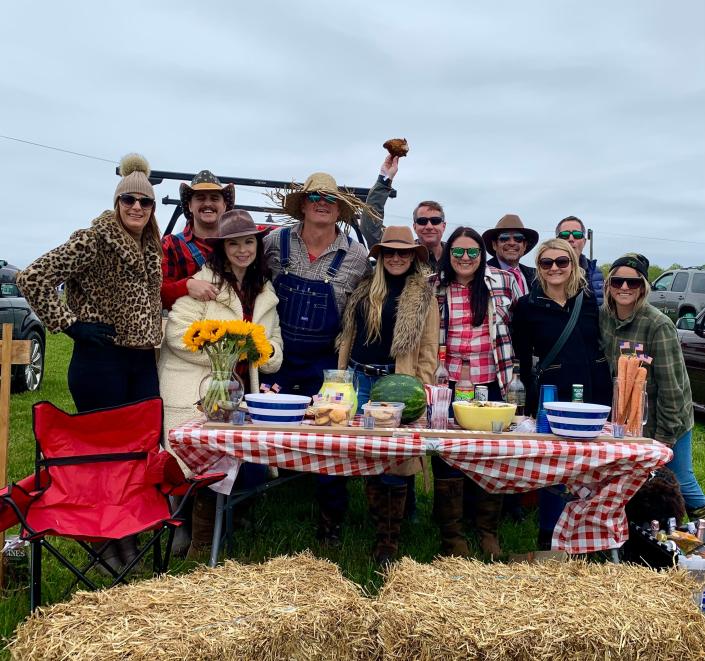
point(516, 393)
point(441, 376)
point(464, 387)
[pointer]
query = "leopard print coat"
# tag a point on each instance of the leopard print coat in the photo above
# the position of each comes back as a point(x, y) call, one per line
point(108, 279)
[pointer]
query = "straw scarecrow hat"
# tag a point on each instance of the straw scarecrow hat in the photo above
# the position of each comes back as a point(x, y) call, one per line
point(320, 182)
point(203, 181)
point(398, 236)
point(506, 223)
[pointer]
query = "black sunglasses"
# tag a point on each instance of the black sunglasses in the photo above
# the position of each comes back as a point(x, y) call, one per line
point(618, 283)
point(565, 234)
point(435, 220)
point(402, 252)
point(128, 200)
point(509, 236)
point(561, 262)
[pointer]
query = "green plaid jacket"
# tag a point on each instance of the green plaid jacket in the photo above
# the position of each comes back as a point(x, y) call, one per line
point(668, 386)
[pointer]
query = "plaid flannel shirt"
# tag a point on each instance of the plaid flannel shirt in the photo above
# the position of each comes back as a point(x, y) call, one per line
point(178, 264)
point(488, 348)
point(670, 399)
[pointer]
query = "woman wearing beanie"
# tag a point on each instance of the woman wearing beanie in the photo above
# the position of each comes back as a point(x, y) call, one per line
point(627, 316)
point(239, 272)
point(390, 325)
point(112, 310)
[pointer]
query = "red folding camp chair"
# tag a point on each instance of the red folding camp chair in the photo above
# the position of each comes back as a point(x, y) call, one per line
point(99, 476)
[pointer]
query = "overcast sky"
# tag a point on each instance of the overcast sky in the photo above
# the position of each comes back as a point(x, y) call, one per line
point(544, 108)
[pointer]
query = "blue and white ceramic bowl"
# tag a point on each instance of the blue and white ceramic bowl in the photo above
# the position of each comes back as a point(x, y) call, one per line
point(576, 419)
point(277, 409)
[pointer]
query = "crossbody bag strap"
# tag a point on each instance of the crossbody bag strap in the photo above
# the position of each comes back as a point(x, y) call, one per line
point(560, 342)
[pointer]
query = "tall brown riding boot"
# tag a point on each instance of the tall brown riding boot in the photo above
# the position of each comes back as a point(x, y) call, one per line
point(386, 506)
point(202, 522)
point(448, 505)
point(488, 511)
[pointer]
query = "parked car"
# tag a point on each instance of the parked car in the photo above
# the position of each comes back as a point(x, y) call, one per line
point(26, 325)
point(691, 332)
point(679, 292)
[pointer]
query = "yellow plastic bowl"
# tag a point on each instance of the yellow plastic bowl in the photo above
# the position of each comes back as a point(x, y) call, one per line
point(479, 418)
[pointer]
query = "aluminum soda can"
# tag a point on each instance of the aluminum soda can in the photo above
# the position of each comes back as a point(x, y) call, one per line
point(700, 534)
point(655, 527)
point(692, 528)
point(482, 394)
point(671, 524)
point(577, 395)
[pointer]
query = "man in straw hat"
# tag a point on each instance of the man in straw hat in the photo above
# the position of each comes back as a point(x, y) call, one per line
point(203, 203)
point(428, 217)
point(508, 241)
point(315, 266)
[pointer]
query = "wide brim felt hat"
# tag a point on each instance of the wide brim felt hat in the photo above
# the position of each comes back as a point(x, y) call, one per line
point(506, 223)
point(203, 181)
point(235, 224)
point(320, 182)
point(402, 238)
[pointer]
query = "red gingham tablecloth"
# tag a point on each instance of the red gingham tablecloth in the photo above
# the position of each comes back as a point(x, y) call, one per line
point(604, 475)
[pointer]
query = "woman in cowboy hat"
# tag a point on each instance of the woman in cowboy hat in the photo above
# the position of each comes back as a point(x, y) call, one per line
point(390, 326)
point(239, 272)
point(475, 300)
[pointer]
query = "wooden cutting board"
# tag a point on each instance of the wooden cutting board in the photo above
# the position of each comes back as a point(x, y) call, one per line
point(422, 431)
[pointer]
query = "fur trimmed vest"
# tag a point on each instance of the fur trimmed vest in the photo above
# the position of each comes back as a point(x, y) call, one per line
point(415, 340)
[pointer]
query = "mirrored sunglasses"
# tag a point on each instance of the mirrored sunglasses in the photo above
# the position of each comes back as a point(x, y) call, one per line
point(561, 262)
point(618, 283)
point(128, 200)
point(317, 197)
point(434, 220)
point(473, 253)
point(517, 237)
point(566, 234)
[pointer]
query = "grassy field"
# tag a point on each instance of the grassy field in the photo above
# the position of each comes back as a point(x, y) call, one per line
point(285, 517)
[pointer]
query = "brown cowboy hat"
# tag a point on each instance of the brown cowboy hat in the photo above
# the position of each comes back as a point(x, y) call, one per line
point(234, 224)
point(508, 222)
point(399, 236)
point(205, 180)
point(320, 182)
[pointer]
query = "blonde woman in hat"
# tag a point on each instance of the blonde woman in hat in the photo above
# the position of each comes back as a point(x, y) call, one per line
point(390, 326)
point(203, 202)
point(237, 269)
point(112, 309)
point(316, 266)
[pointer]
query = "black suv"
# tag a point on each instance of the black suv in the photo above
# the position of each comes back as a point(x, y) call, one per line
point(15, 310)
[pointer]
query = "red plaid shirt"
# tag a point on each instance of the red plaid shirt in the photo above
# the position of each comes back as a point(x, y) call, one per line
point(487, 348)
point(178, 264)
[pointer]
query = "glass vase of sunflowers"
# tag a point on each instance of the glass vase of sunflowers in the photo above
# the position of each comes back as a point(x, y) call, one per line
point(226, 343)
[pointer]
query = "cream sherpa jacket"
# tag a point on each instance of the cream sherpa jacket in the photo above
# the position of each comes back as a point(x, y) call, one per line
point(181, 370)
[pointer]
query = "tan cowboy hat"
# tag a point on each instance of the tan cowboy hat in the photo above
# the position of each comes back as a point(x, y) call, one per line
point(398, 236)
point(506, 223)
point(205, 180)
point(320, 182)
point(234, 224)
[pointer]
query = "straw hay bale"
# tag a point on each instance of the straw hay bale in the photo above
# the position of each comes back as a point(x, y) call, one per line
point(464, 609)
point(289, 608)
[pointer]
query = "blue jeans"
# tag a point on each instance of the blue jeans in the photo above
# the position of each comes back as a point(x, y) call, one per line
point(682, 466)
point(364, 385)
